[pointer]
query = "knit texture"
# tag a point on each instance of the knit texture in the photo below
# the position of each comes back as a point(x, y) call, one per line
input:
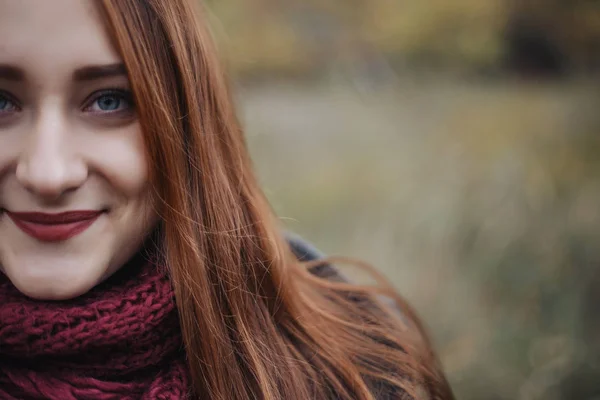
point(121, 340)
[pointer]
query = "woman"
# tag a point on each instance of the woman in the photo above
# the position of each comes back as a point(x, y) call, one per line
point(139, 257)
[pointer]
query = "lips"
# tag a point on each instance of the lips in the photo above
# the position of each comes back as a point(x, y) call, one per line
point(54, 227)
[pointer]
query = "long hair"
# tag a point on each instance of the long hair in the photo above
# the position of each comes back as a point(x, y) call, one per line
point(256, 323)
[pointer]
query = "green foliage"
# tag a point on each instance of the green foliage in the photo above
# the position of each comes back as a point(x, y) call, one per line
point(266, 36)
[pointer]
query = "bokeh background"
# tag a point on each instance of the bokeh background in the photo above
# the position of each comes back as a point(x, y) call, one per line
point(453, 144)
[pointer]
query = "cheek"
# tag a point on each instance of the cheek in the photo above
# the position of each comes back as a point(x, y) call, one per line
point(11, 144)
point(121, 157)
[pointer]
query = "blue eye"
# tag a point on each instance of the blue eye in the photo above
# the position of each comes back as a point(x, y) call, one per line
point(6, 104)
point(111, 101)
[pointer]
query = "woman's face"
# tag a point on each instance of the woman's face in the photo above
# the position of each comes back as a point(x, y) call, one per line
point(75, 201)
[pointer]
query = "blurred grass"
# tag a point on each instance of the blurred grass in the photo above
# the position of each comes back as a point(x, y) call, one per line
point(475, 199)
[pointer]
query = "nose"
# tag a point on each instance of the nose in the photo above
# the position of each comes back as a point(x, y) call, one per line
point(49, 166)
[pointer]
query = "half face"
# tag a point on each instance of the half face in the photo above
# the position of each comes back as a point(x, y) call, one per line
point(75, 200)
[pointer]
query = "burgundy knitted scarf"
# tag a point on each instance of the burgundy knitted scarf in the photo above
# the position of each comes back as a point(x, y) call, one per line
point(120, 341)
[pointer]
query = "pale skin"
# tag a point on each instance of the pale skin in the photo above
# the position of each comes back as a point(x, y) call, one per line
point(69, 141)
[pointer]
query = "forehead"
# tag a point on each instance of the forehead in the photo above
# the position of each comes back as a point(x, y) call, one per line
point(48, 36)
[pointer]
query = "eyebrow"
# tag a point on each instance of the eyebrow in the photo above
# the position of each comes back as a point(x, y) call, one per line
point(94, 72)
point(11, 73)
point(89, 73)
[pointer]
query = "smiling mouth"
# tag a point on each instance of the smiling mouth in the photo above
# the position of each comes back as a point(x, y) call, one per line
point(54, 227)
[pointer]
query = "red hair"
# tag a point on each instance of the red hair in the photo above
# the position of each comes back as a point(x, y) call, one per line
point(256, 323)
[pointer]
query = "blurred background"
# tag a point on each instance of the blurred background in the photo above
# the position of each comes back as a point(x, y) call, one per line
point(453, 144)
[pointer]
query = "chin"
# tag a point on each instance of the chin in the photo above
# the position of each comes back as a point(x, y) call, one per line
point(41, 287)
point(52, 293)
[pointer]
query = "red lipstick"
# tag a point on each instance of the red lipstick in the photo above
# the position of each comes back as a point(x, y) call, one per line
point(53, 227)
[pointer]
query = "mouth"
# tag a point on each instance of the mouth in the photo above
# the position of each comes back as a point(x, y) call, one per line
point(54, 227)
